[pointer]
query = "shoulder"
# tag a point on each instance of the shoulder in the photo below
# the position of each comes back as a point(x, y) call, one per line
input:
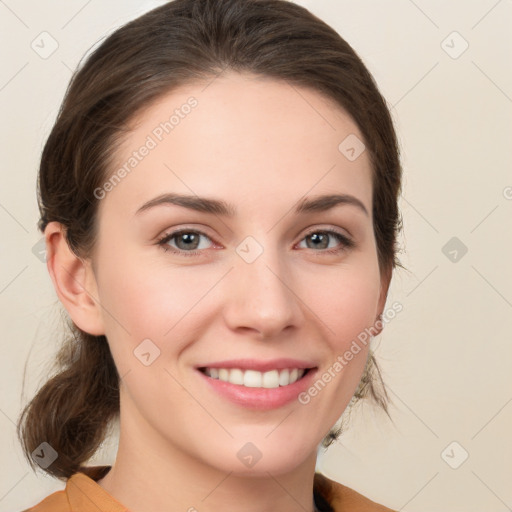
point(344, 499)
point(82, 493)
point(56, 502)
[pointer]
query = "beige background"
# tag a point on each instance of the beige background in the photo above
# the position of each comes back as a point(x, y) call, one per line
point(446, 357)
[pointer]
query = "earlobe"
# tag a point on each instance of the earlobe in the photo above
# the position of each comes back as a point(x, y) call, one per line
point(74, 281)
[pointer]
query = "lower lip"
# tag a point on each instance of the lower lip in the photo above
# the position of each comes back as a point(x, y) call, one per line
point(260, 398)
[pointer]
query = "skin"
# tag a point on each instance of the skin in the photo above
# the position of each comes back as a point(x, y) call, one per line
point(261, 145)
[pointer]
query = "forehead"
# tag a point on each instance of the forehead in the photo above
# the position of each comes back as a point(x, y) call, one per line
point(243, 138)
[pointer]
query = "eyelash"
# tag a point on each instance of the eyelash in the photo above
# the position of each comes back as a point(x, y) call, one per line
point(346, 242)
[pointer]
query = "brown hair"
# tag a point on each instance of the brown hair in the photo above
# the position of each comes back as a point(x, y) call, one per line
point(182, 42)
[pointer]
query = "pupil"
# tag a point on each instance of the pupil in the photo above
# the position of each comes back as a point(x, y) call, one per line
point(188, 238)
point(318, 237)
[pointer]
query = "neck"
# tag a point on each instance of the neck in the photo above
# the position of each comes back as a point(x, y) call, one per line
point(150, 474)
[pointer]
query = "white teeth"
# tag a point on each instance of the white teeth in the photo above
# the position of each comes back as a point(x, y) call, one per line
point(271, 379)
point(236, 376)
point(252, 379)
point(255, 379)
point(284, 377)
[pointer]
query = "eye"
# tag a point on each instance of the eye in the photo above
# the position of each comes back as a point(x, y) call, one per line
point(320, 239)
point(188, 242)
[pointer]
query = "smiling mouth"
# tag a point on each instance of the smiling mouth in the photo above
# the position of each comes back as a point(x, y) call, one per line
point(255, 379)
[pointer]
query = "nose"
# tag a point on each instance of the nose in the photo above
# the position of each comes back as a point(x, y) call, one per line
point(262, 296)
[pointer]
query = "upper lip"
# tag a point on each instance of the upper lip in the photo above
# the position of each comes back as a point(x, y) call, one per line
point(260, 365)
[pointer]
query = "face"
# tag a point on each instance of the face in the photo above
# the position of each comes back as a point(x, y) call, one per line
point(222, 315)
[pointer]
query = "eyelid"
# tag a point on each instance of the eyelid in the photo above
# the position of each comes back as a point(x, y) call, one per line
point(192, 228)
point(327, 228)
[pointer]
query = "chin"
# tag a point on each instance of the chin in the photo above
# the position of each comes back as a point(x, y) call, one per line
point(262, 456)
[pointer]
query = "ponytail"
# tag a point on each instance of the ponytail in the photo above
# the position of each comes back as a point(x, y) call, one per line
point(73, 410)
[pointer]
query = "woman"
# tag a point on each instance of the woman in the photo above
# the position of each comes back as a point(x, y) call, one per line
point(219, 201)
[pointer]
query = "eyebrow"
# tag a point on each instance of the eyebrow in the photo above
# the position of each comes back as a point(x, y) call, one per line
point(219, 207)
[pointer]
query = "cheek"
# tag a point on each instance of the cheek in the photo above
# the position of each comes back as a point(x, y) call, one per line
point(348, 309)
point(352, 317)
point(146, 299)
point(348, 304)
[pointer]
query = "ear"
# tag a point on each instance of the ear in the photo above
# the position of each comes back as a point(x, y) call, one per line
point(385, 280)
point(74, 281)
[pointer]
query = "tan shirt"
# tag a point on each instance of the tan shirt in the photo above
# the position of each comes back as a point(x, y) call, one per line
point(83, 494)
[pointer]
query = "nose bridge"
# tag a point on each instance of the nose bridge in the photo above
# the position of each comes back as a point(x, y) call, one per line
point(261, 288)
